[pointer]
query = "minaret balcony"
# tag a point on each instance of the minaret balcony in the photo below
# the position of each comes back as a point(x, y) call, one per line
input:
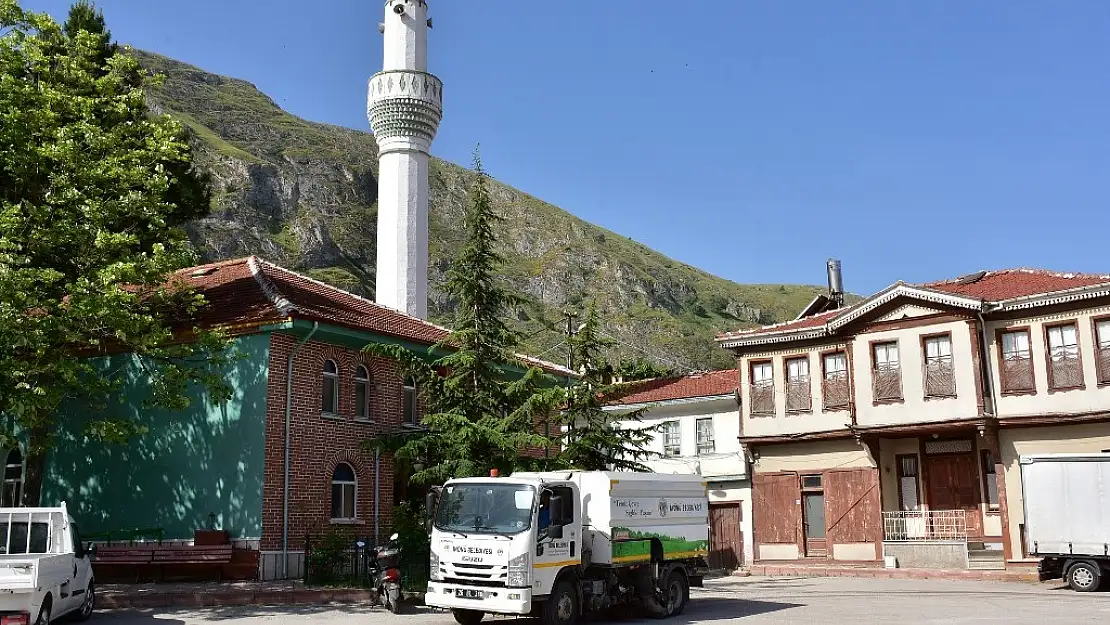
point(403, 106)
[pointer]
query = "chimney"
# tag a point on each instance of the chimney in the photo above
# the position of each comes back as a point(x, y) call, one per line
point(836, 282)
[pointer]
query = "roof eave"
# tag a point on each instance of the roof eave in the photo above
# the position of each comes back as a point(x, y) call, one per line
point(1053, 298)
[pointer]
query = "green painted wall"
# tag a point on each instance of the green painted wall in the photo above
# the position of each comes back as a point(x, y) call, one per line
point(206, 459)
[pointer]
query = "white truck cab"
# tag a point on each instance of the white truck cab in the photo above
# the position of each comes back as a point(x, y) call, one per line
point(560, 544)
point(45, 570)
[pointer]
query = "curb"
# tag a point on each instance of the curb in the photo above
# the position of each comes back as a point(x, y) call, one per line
point(119, 601)
point(877, 573)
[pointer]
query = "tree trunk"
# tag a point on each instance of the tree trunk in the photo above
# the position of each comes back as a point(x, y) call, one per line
point(36, 468)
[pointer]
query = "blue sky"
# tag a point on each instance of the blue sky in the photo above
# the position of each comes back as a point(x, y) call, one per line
point(914, 140)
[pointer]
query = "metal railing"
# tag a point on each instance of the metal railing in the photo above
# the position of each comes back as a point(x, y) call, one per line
point(923, 525)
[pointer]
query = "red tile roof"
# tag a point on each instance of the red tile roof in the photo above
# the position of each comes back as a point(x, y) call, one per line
point(708, 384)
point(250, 291)
point(814, 321)
point(987, 286)
point(1011, 283)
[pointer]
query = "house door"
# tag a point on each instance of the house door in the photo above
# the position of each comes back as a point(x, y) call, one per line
point(953, 485)
point(813, 515)
point(726, 542)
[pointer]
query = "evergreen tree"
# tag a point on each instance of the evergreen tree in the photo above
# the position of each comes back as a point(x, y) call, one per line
point(94, 192)
point(480, 412)
point(590, 440)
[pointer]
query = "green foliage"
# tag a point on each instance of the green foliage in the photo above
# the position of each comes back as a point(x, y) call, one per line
point(415, 544)
point(590, 440)
point(94, 194)
point(478, 417)
point(632, 369)
point(329, 558)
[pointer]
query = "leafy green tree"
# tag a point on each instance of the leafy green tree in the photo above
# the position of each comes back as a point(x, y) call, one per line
point(590, 440)
point(634, 369)
point(481, 401)
point(94, 191)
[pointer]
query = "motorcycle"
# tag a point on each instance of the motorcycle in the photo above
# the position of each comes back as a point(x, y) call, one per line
point(384, 572)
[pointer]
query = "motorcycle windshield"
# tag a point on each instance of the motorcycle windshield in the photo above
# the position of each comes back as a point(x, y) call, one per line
point(485, 508)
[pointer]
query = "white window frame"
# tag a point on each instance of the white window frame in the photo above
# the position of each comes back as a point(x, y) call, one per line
point(705, 438)
point(331, 376)
point(15, 485)
point(672, 439)
point(343, 486)
point(410, 404)
point(840, 368)
point(362, 380)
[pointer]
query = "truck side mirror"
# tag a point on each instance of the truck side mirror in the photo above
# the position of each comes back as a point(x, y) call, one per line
point(430, 503)
point(555, 531)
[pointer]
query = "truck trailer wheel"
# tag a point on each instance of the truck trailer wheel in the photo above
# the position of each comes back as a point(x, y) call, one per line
point(561, 608)
point(467, 617)
point(1084, 576)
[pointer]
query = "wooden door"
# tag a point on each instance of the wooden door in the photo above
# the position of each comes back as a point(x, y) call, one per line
point(776, 513)
point(953, 484)
point(726, 541)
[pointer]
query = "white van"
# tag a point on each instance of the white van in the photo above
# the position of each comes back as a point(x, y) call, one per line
point(45, 570)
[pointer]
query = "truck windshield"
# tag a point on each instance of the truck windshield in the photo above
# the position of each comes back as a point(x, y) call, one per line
point(485, 508)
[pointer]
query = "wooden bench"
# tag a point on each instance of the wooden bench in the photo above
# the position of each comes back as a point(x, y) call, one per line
point(130, 556)
point(191, 556)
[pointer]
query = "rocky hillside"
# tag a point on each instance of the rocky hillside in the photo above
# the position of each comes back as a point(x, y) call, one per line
point(302, 194)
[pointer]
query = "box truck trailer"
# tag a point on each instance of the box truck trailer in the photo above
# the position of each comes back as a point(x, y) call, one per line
point(560, 544)
point(1067, 516)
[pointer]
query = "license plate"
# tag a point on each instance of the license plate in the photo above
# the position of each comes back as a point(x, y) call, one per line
point(469, 593)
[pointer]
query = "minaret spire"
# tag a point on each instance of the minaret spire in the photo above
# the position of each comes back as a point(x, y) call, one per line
point(405, 105)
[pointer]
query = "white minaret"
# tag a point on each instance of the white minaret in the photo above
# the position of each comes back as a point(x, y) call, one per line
point(405, 104)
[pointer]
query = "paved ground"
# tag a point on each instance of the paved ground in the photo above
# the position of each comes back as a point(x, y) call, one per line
point(735, 601)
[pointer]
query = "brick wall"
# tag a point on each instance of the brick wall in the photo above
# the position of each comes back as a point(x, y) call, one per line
point(319, 442)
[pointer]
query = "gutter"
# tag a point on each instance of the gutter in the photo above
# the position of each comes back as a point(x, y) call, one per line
point(985, 357)
point(288, 414)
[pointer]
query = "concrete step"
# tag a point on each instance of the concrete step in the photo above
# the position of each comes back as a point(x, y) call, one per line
point(986, 565)
point(986, 554)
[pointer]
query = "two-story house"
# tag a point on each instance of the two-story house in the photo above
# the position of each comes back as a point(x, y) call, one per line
point(698, 421)
point(900, 419)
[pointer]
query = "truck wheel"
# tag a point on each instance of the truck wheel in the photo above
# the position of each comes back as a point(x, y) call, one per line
point(1084, 577)
point(467, 617)
point(677, 593)
point(561, 608)
point(44, 611)
point(87, 606)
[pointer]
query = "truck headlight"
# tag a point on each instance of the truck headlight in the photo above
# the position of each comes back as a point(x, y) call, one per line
point(520, 571)
point(434, 573)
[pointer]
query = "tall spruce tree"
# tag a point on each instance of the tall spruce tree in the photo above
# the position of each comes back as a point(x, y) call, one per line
point(481, 401)
point(94, 191)
point(590, 439)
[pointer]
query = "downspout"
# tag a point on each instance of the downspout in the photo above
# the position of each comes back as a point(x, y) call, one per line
point(377, 494)
point(288, 414)
point(985, 356)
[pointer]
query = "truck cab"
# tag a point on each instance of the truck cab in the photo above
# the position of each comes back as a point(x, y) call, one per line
point(543, 544)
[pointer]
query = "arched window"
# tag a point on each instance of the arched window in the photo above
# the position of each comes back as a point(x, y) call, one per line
point(344, 488)
point(408, 414)
point(362, 393)
point(13, 480)
point(329, 390)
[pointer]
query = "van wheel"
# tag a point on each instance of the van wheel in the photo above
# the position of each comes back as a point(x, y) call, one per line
point(87, 606)
point(561, 608)
point(44, 611)
point(468, 617)
point(1084, 577)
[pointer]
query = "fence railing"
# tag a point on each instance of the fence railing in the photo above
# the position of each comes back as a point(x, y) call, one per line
point(330, 561)
point(923, 525)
